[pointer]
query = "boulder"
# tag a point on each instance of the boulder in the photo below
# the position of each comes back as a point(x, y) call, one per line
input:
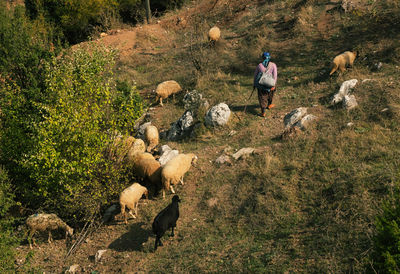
point(223, 159)
point(306, 121)
point(73, 269)
point(218, 115)
point(193, 100)
point(349, 102)
point(167, 154)
point(181, 128)
point(344, 90)
point(293, 117)
point(99, 255)
point(243, 152)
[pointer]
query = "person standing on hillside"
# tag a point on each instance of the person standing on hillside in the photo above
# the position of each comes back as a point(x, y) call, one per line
point(265, 95)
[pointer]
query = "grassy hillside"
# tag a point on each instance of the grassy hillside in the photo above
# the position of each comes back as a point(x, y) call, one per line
point(306, 204)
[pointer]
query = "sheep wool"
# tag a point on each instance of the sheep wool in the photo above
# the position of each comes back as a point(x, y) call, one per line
point(342, 60)
point(129, 198)
point(137, 148)
point(166, 89)
point(152, 137)
point(214, 34)
point(146, 167)
point(43, 222)
point(174, 170)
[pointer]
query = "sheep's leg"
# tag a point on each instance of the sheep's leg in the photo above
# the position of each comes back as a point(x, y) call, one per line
point(161, 104)
point(181, 180)
point(172, 233)
point(50, 239)
point(30, 238)
point(172, 189)
point(163, 194)
point(136, 208)
point(133, 216)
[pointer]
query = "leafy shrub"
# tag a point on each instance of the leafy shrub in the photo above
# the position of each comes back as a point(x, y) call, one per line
point(69, 167)
point(7, 239)
point(386, 255)
point(76, 18)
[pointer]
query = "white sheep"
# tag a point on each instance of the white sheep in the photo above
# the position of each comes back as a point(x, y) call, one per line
point(166, 89)
point(175, 169)
point(130, 197)
point(214, 34)
point(43, 222)
point(151, 136)
point(138, 147)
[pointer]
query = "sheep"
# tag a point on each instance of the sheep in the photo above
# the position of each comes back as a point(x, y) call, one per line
point(166, 89)
point(174, 170)
point(130, 198)
point(342, 60)
point(214, 34)
point(151, 136)
point(138, 147)
point(146, 167)
point(43, 222)
point(166, 219)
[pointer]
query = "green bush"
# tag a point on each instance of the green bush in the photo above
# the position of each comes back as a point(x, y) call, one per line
point(69, 167)
point(7, 240)
point(76, 18)
point(386, 255)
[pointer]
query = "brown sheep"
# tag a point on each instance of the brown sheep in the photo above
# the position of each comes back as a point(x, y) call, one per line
point(342, 60)
point(214, 34)
point(166, 89)
point(130, 197)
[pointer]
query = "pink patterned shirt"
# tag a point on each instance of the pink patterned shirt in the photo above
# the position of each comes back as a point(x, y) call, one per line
point(260, 68)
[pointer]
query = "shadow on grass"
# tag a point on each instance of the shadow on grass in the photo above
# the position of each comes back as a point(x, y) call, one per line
point(251, 109)
point(132, 240)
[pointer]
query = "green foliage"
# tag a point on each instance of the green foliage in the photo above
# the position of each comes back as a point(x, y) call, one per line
point(7, 239)
point(386, 256)
point(76, 18)
point(69, 167)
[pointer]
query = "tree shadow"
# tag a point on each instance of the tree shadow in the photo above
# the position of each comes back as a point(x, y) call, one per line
point(132, 240)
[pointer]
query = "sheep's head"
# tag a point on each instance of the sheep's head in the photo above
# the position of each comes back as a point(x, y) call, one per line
point(176, 199)
point(69, 231)
point(194, 160)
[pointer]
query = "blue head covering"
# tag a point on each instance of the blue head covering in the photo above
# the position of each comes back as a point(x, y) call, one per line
point(266, 56)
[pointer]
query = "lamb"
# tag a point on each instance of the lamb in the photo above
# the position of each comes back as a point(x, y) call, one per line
point(174, 170)
point(130, 197)
point(342, 60)
point(166, 89)
point(166, 219)
point(43, 222)
point(152, 137)
point(214, 34)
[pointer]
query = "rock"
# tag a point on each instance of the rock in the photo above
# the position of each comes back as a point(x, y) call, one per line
point(242, 152)
point(75, 268)
point(164, 149)
point(165, 157)
point(141, 129)
point(110, 213)
point(349, 102)
point(293, 117)
point(218, 115)
point(350, 124)
point(193, 100)
point(233, 132)
point(223, 159)
point(305, 122)
point(377, 66)
point(385, 110)
point(212, 202)
point(99, 255)
point(181, 128)
point(350, 5)
point(344, 90)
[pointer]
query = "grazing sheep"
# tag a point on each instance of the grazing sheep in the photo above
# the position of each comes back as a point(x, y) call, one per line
point(146, 167)
point(130, 198)
point(152, 137)
point(214, 34)
point(166, 219)
point(166, 89)
point(174, 170)
point(138, 147)
point(342, 60)
point(43, 222)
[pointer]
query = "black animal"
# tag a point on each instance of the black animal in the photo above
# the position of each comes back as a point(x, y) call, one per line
point(166, 219)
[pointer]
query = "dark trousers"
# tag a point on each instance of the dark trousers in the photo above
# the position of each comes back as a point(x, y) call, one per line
point(265, 97)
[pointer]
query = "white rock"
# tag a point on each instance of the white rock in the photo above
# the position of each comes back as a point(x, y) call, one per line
point(218, 115)
point(223, 159)
point(99, 254)
point(350, 124)
point(349, 102)
point(344, 90)
point(73, 269)
point(242, 152)
point(306, 121)
point(293, 117)
point(166, 157)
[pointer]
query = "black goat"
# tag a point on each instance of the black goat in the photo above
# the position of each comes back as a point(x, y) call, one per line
point(165, 219)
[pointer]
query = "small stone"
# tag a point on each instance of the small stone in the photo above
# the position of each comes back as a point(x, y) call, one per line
point(223, 159)
point(242, 152)
point(99, 255)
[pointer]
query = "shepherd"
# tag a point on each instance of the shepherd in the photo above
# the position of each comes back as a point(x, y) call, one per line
point(265, 77)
